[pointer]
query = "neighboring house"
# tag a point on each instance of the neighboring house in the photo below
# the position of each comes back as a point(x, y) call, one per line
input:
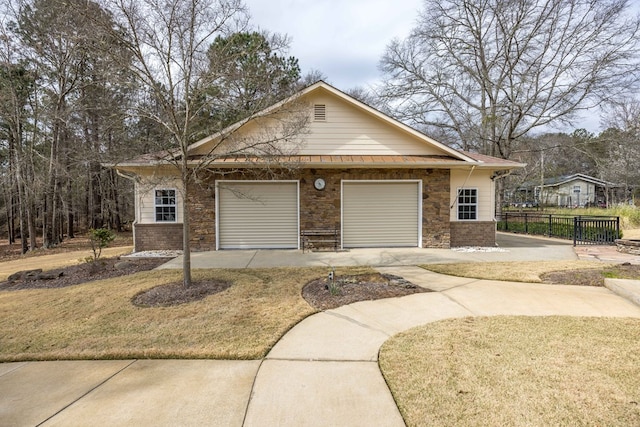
point(575, 190)
point(376, 181)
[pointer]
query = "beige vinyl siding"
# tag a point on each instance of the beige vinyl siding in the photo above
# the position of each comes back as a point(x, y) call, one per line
point(381, 214)
point(257, 215)
point(347, 130)
point(145, 193)
point(480, 180)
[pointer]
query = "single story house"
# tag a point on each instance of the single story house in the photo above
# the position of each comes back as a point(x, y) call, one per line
point(576, 190)
point(375, 181)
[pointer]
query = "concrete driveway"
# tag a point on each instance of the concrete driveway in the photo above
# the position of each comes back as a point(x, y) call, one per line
point(510, 248)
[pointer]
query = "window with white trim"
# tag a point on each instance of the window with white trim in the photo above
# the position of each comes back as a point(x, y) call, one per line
point(165, 205)
point(467, 204)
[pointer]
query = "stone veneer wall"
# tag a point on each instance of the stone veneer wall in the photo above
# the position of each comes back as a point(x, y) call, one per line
point(473, 233)
point(628, 246)
point(321, 209)
point(154, 237)
point(202, 211)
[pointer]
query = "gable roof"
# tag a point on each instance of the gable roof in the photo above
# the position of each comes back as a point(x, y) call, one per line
point(447, 157)
point(556, 181)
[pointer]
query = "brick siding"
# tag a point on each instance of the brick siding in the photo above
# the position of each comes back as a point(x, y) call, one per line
point(473, 233)
point(152, 237)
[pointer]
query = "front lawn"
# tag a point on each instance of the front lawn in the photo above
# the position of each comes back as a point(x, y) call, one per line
point(517, 271)
point(516, 371)
point(97, 320)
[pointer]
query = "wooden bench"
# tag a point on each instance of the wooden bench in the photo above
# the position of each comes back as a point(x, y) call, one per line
point(324, 236)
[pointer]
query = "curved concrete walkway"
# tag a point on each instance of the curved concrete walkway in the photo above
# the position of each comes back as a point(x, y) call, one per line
point(323, 372)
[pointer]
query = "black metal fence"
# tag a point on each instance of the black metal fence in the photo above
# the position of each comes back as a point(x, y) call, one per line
point(583, 230)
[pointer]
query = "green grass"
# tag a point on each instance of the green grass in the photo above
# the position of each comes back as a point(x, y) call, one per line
point(516, 371)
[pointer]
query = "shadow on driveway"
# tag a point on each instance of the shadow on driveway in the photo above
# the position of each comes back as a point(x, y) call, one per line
point(512, 240)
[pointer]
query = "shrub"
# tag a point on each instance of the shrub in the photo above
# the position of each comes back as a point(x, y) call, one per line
point(100, 238)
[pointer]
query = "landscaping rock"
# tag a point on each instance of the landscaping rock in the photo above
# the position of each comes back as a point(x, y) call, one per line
point(32, 274)
point(123, 265)
point(78, 274)
point(49, 275)
point(15, 277)
point(24, 275)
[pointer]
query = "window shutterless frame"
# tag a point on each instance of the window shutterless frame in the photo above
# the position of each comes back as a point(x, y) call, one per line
point(165, 203)
point(467, 204)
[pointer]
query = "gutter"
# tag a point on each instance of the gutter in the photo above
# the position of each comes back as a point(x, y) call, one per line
point(133, 178)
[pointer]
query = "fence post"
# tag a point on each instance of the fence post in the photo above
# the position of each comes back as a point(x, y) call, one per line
point(575, 230)
point(617, 228)
point(506, 221)
point(526, 223)
point(549, 233)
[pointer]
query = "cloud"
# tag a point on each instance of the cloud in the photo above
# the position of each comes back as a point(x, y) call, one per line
point(342, 39)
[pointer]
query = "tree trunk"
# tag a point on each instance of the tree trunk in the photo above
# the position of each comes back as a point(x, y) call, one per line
point(499, 199)
point(49, 229)
point(116, 218)
point(22, 206)
point(7, 213)
point(97, 217)
point(186, 249)
point(31, 220)
point(23, 230)
point(69, 203)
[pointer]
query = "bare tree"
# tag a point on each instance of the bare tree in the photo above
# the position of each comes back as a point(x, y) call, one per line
point(486, 72)
point(489, 71)
point(17, 89)
point(621, 141)
point(169, 41)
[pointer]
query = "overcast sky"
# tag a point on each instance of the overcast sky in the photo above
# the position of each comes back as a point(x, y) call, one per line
point(344, 39)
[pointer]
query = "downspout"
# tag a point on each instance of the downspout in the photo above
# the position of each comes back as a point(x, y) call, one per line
point(453, 202)
point(132, 177)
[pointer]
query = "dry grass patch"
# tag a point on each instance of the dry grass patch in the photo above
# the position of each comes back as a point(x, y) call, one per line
point(97, 320)
point(517, 371)
point(633, 233)
point(514, 271)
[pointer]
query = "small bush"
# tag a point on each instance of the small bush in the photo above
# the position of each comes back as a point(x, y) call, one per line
point(100, 238)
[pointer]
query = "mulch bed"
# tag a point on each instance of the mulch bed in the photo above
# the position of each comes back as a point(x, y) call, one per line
point(159, 296)
point(353, 288)
point(592, 277)
point(348, 288)
point(176, 293)
point(86, 272)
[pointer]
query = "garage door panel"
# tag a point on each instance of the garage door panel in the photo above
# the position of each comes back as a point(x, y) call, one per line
point(260, 215)
point(381, 214)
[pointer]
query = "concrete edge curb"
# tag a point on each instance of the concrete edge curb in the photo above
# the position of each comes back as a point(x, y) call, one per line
point(629, 289)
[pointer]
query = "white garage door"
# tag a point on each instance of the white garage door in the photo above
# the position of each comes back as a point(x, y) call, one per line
point(257, 215)
point(381, 214)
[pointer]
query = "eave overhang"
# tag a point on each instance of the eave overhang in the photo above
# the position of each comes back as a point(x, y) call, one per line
point(328, 162)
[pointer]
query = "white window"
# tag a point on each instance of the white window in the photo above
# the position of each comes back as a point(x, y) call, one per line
point(467, 204)
point(165, 205)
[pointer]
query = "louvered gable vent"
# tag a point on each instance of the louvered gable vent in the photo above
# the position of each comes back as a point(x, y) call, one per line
point(320, 112)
